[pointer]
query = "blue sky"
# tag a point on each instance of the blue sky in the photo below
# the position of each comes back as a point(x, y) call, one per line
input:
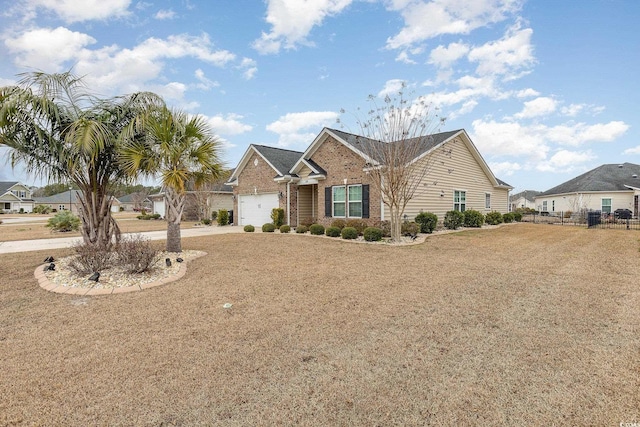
point(546, 89)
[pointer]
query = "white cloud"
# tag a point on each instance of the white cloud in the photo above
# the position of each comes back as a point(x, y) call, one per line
point(632, 151)
point(504, 168)
point(165, 14)
point(74, 11)
point(540, 106)
point(205, 83)
point(292, 127)
point(426, 19)
point(392, 87)
point(527, 93)
point(249, 67)
point(509, 139)
point(47, 49)
point(444, 56)
point(229, 124)
point(507, 56)
point(564, 161)
point(292, 20)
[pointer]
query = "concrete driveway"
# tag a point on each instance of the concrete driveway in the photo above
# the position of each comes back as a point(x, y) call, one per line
point(65, 242)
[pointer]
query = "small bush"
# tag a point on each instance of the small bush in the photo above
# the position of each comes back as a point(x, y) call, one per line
point(206, 221)
point(222, 217)
point(567, 214)
point(316, 229)
point(155, 216)
point(143, 211)
point(493, 218)
point(358, 224)
point(508, 217)
point(385, 226)
point(21, 210)
point(339, 223)
point(268, 227)
point(135, 254)
point(249, 228)
point(412, 228)
point(372, 234)
point(42, 209)
point(333, 231)
point(0, 221)
point(349, 233)
point(301, 229)
point(308, 221)
point(277, 216)
point(428, 222)
point(453, 220)
point(214, 215)
point(64, 221)
point(89, 258)
point(517, 216)
point(285, 228)
point(473, 218)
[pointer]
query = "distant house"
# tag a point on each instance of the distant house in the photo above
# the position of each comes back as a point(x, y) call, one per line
point(605, 188)
point(523, 200)
point(331, 179)
point(219, 196)
point(135, 202)
point(68, 201)
point(15, 197)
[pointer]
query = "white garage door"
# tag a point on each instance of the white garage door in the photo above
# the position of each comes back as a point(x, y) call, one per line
point(255, 209)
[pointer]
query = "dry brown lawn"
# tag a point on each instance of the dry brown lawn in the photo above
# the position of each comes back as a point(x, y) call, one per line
point(519, 325)
point(37, 229)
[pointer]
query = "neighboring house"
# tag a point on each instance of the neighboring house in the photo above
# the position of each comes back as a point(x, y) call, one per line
point(135, 202)
point(15, 196)
point(523, 200)
point(605, 188)
point(220, 196)
point(68, 200)
point(330, 180)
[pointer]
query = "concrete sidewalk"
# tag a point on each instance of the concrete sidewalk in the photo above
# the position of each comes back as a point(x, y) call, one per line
point(65, 242)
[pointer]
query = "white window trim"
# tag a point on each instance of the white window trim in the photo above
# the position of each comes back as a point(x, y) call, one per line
point(348, 211)
point(610, 199)
point(333, 202)
point(485, 200)
point(460, 203)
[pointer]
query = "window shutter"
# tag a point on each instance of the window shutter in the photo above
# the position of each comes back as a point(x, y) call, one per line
point(327, 202)
point(365, 200)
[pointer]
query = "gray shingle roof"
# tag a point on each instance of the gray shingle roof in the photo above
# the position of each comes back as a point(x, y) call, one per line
point(610, 177)
point(282, 160)
point(527, 194)
point(59, 198)
point(6, 185)
point(368, 146)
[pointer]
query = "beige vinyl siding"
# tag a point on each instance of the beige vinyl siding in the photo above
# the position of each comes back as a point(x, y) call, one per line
point(575, 202)
point(454, 168)
point(304, 172)
point(305, 202)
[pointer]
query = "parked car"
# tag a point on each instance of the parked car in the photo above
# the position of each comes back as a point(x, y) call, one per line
point(623, 214)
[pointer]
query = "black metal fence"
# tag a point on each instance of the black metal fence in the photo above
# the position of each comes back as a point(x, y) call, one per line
point(589, 219)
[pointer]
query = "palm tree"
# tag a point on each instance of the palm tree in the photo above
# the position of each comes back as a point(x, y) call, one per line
point(179, 147)
point(61, 132)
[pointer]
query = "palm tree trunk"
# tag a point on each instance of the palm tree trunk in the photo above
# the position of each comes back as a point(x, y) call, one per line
point(174, 205)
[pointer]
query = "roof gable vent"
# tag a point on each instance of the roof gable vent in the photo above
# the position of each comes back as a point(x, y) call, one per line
point(634, 176)
point(620, 166)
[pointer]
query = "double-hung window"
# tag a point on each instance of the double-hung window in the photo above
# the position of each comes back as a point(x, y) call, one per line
point(459, 201)
point(606, 206)
point(355, 201)
point(339, 202)
point(487, 200)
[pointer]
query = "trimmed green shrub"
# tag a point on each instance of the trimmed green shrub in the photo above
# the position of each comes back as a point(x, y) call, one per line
point(206, 221)
point(453, 220)
point(317, 229)
point(372, 234)
point(493, 218)
point(249, 228)
point(285, 228)
point(64, 221)
point(358, 224)
point(214, 215)
point(473, 218)
point(517, 216)
point(339, 223)
point(223, 217)
point(268, 227)
point(428, 222)
point(277, 216)
point(508, 217)
point(412, 228)
point(301, 229)
point(385, 226)
point(349, 233)
point(332, 231)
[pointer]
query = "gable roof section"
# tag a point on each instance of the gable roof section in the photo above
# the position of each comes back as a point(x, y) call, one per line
point(608, 177)
point(60, 198)
point(529, 195)
point(280, 160)
point(6, 185)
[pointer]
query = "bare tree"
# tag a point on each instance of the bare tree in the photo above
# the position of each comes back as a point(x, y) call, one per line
point(138, 198)
point(398, 143)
